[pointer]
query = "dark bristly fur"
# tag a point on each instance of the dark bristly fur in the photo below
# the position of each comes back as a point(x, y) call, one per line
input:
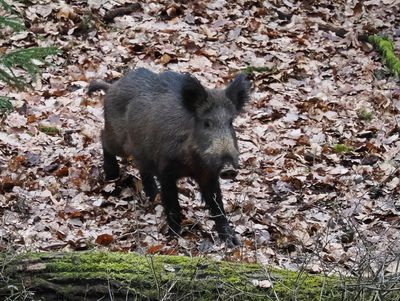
point(174, 128)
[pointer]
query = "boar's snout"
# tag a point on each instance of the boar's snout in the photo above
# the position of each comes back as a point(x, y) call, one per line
point(229, 165)
point(222, 152)
point(231, 159)
point(228, 171)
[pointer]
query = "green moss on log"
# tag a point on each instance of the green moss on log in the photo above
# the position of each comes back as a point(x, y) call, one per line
point(96, 275)
point(386, 48)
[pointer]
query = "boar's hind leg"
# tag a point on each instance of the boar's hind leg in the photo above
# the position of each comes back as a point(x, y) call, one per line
point(169, 198)
point(110, 165)
point(211, 193)
point(149, 184)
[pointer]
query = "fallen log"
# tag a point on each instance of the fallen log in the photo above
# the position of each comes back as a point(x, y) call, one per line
point(121, 276)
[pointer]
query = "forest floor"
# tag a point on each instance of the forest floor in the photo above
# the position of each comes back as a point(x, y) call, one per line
point(319, 184)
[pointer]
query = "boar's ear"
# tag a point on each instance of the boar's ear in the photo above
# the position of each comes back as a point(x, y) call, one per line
point(238, 91)
point(193, 93)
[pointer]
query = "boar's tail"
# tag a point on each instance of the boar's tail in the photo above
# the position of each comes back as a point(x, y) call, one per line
point(98, 85)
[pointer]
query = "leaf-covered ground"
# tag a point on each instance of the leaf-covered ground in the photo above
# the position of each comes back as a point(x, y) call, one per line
point(319, 180)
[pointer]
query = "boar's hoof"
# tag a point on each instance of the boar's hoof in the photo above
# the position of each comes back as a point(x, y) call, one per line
point(111, 174)
point(152, 197)
point(227, 235)
point(232, 241)
point(110, 165)
point(228, 172)
point(111, 178)
point(174, 223)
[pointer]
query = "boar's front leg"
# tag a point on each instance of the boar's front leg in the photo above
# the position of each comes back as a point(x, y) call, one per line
point(169, 199)
point(211, 193)
point(149, 184)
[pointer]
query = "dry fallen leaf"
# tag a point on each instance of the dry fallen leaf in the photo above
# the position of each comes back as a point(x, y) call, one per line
point(154, 249)
point(262, 283)
point(104, 239)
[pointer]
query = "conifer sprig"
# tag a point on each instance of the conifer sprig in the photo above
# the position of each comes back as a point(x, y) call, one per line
point(28, 59)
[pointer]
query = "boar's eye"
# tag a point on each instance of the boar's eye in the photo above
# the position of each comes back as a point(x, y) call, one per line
point(207, 123)
point(231, 122)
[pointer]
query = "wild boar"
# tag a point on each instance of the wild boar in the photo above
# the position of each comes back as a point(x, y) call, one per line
point(173, 127)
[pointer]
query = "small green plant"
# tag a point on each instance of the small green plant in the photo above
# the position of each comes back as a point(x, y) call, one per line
point(6, 105)
point(386, 49)
point(363, 114)
point(342, 148)
point(253, 69)
point(49, 130)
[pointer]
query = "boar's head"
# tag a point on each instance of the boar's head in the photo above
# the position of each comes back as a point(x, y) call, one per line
point(213, 139)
